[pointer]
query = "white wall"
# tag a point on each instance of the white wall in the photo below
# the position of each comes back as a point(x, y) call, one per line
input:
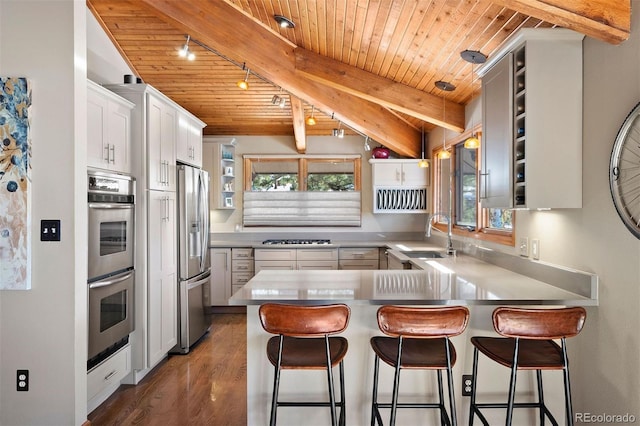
point(44, 329)
point(227, 220)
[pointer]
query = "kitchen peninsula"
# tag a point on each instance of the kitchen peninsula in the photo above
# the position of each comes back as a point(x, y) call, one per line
point(461, 279)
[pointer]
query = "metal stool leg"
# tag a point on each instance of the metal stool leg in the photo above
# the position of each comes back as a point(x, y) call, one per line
point(567, 384)
point(542, 413)
point(452, 399)
point(343, 414)
point(374, 399)
point(332, 398)
point(512, 383)
point(396, 384)
point(276, 385)
point(474, 379)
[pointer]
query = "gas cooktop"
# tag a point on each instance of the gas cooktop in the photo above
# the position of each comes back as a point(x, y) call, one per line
point(297, 241)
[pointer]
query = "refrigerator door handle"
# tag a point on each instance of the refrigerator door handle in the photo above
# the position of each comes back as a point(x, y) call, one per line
point(204, 221)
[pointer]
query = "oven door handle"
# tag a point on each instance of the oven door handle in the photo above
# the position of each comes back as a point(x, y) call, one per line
point(109, 206)
point(113, 281)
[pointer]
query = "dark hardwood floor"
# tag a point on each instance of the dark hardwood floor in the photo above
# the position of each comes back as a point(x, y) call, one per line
point(208, 386)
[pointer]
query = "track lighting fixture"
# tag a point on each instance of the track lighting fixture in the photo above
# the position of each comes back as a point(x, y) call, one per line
point(284, 22)
point(367, 147)
point(339, 132)
point(184, 52)
point(311, 120)
point(244, 84)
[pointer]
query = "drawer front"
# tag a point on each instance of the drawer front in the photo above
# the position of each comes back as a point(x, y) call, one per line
point(242, 265)
point(242, 253)
point(317, 264)
point(274, 254)
point(359, 264)
point(288, 265)
point(109, 372)
point(359, 253)
point(240, 278)
point(317, 254)
point(235, 288)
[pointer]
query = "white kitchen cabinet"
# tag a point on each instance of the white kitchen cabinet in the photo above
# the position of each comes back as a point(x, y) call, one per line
point(219, 158)
point(292, 259)
point(242, 267)
point(532, 122)
point(108, 129)
point(104, 378)
point(189, 139)
point(358, 258)
point(392, 172)
point(161, 149)
point(220, 276)
point(399, 186)
point(163, 284)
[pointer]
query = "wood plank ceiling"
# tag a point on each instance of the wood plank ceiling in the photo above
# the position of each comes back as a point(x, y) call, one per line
point(368, 66)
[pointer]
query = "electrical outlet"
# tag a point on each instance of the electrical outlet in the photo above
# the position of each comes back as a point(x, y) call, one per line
point(467, 384)
point(49, 230)
point(535, 249)
point(524, 246)
point(22, 380)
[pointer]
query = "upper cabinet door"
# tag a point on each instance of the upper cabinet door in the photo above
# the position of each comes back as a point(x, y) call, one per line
point(189, 140)
point(161, 136)
point(495, 174)
point(108, 130)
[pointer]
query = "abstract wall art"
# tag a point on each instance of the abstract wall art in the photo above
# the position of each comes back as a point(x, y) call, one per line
point(15, 199)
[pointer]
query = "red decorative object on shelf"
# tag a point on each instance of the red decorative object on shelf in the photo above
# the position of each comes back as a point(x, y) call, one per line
point(380, 152)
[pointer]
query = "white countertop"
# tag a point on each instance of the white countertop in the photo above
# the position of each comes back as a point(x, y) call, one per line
point(453, 280)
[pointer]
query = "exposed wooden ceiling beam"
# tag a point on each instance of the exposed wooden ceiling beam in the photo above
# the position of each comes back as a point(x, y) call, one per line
point(299, 132)
point(231, 32)
point(380, 90)
point(606, 20)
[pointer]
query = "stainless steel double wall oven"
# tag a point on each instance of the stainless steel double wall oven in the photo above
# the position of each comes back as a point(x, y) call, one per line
point(111, 199)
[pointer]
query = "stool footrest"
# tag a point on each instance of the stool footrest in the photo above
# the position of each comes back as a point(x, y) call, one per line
point(307, 404)
point(411, 405)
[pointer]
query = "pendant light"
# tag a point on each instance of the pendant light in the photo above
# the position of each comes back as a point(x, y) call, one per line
point(244, 84)
point(423, 163)
point(474, 57)
point(445, 87)
point(311, 120)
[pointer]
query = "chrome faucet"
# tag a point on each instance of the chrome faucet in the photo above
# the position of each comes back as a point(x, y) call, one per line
point(450, 250)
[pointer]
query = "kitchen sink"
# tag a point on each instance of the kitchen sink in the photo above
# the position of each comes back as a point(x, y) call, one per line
point(418, 254)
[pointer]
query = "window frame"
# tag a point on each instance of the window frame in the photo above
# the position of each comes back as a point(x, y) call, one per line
point(481, 231)
point(303, 167)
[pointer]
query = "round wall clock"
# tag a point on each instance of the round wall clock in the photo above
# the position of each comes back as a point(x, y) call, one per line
point(624, 172)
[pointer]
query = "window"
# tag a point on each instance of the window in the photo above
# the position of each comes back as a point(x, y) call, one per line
point(456, 178)
point(301, 190)
point(302, 173)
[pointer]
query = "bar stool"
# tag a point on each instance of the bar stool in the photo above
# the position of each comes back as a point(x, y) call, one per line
point(303, 343)
point(419, 340)
point(528, 345)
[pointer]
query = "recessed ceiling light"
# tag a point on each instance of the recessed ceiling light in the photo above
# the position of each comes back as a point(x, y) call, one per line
point(284, 22)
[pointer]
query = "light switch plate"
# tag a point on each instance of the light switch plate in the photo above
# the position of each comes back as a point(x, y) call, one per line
point(535, 249)
point(523, 246)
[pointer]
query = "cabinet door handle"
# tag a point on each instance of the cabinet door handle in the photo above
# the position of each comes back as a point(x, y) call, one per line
point(106, 151)
point(397, 175)
point(403, 176)
point(112, 151)
point(110, 375)
point(484, 177)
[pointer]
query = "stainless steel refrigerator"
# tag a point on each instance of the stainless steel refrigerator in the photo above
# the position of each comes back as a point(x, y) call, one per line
point(194, 264)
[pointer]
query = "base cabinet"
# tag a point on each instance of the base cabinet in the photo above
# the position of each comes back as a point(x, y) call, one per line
point(162, 288)
point(359, 258)
point(104, 378)
point(292, 259)
point(220, 276)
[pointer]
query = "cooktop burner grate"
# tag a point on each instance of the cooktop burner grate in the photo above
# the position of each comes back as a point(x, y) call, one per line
point(296, 241)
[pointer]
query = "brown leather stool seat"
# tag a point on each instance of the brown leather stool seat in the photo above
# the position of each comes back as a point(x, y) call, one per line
point(303, 342)
point(419, 340)
point(528, 344)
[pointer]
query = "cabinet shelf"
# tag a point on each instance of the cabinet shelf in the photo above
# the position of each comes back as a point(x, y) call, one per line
point(219, 161)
